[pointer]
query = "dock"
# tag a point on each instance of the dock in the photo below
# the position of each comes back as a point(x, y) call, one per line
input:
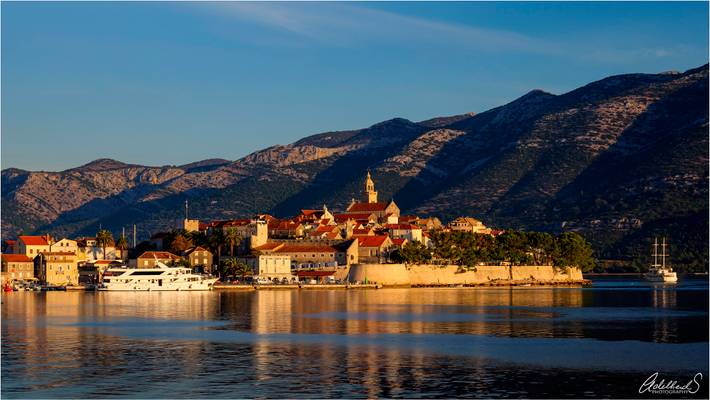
point(300, 286)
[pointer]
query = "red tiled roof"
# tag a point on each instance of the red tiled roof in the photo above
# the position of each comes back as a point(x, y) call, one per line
point(402, 226)
point(371, 241)
point(34, 240)
point(10, 242)
point(193, 249)
point(290, 248)
point(332, 235)
point(356, 216)
point(59, 253)
point(159, 255)
point(268, 246)
point(399, 241)
point(361, 207)
point(325, 229)
point(16, 258)
point(236, 222)
point(310, 212)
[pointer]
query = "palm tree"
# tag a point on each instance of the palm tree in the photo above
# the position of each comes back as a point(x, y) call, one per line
point(104, 238)
point(229, 267)
point(242, 269)
point(121, 244)
point(232, 237)
point(216, 240)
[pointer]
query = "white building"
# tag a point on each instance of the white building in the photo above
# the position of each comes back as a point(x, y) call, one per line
point(270, 266)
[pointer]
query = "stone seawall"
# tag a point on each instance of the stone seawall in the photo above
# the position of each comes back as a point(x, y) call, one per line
point(432, 275)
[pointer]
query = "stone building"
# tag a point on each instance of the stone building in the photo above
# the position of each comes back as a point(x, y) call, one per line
point(149, 259)
point(31, 246)
point(17, 267)
point(198, 256)
point(468, 224)
point(57, 268)
point(386, 212)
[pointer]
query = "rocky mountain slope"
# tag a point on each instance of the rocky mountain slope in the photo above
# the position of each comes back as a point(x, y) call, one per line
point(618, 160)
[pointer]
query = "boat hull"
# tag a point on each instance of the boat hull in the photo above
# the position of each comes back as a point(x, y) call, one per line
point(666, 278)
point(170, 287)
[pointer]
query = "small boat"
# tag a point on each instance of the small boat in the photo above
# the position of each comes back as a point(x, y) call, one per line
point(162, 278)
point(660, 272)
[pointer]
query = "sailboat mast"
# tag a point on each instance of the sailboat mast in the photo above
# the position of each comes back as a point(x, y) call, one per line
point(663, 252)
point(655, 252)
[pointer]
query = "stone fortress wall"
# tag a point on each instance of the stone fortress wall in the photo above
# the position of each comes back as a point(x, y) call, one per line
point(432, 275)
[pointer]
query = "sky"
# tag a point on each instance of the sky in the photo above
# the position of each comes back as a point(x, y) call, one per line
point(162, 83)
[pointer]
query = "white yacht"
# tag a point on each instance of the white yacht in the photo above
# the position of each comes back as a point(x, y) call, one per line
point(162, 278)
point(660, 272)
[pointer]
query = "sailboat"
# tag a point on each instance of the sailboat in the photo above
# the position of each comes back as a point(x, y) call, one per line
point(660, 272)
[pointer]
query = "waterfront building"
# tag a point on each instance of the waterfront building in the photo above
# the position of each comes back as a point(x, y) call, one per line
point(270, 266)
point(17, 267)
point(198, 257)
point(31, 246)
point(57, 268)
point(314, 254)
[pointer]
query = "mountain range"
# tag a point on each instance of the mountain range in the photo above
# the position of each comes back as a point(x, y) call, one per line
point(618, 160)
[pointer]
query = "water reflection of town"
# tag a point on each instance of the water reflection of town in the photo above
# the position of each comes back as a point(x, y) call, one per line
point(59, 328)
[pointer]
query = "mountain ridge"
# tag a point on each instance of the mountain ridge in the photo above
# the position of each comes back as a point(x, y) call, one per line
point(574, 161)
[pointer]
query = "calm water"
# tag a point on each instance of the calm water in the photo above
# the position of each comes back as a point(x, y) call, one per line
point(497, 342)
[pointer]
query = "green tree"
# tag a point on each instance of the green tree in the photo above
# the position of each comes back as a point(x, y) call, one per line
point(412, 253)
point(574, 251)
point(122, 244)
point(180, 243)
point(543, 246)
point(104, 239)
point(216, 241)
point(232, 236)
point(513, 246)
point(233, 267)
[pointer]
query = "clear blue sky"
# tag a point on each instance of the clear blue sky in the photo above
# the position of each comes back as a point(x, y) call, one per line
point(172, 83)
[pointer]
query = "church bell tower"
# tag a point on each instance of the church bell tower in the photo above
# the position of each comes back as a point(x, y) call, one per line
point(370, 192)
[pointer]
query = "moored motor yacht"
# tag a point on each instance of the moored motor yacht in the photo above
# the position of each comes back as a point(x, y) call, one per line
point(162, 278)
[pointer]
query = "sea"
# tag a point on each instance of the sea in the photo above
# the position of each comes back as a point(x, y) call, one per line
point(620, 338)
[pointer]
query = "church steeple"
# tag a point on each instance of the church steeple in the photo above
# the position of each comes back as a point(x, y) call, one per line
point(370, 192)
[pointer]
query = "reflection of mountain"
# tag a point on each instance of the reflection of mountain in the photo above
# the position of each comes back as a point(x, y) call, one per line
point(617, 159)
